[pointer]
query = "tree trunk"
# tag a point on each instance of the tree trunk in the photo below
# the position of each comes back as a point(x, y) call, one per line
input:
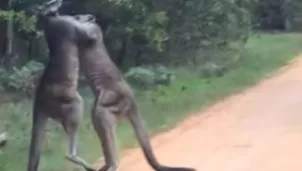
point(9, 34)
point(122, 53)
point(6, 33)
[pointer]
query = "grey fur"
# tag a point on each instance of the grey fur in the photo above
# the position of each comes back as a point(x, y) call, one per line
point(113, 98)
point(70, 38)
point(57, 96)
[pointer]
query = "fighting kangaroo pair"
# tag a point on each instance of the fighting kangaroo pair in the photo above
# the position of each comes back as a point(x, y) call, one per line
point(76, 42)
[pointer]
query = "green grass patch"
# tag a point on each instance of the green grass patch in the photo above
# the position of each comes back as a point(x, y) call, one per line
point(161, 107)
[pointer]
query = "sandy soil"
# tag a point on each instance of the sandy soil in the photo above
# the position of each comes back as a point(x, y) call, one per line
point(257, 130)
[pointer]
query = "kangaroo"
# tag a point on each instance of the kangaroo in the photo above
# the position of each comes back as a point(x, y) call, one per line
point(113, 99)
point(56, 96)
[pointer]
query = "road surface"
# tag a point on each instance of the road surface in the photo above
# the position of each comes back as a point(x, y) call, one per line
point(257, 130)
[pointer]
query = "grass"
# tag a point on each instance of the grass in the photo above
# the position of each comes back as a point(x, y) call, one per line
point(263, 54)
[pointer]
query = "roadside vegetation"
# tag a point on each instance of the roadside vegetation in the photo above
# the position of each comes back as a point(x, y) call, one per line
point(179, 57)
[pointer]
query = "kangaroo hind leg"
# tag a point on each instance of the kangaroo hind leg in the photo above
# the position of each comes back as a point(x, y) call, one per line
point(74, 114)
point(104, 123)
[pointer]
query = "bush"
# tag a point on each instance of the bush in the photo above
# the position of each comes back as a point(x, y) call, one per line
point(148, 76)
point(24, 79)
point(211, 69)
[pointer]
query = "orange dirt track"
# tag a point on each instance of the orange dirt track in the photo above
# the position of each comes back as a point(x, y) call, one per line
point(257, 130)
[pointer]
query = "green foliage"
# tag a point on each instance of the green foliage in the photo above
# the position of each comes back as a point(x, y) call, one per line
point(292, 13)
point(211, 70)
point(163, 76)
point(23, 79)
point(148, 76)
point(161, 107)
point(151, 29)
point(146, 23)
point(23, 21)
point(278, 15)
point(3, 75)
point(173, 30)
point(209, 24)
point(141, 77)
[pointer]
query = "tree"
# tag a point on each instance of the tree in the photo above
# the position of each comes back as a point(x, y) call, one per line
point(6, 32)
point(13, 22)
point(292, 10)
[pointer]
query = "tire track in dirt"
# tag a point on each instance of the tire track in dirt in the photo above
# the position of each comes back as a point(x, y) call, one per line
point(258, 129)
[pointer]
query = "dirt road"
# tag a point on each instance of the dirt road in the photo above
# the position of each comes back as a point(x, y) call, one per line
point(257, 130)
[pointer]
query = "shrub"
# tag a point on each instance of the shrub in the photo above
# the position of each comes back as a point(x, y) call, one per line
point(148, 76)
point(24, 79)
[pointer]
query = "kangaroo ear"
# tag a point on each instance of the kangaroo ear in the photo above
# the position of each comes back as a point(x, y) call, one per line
point(91, 18)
